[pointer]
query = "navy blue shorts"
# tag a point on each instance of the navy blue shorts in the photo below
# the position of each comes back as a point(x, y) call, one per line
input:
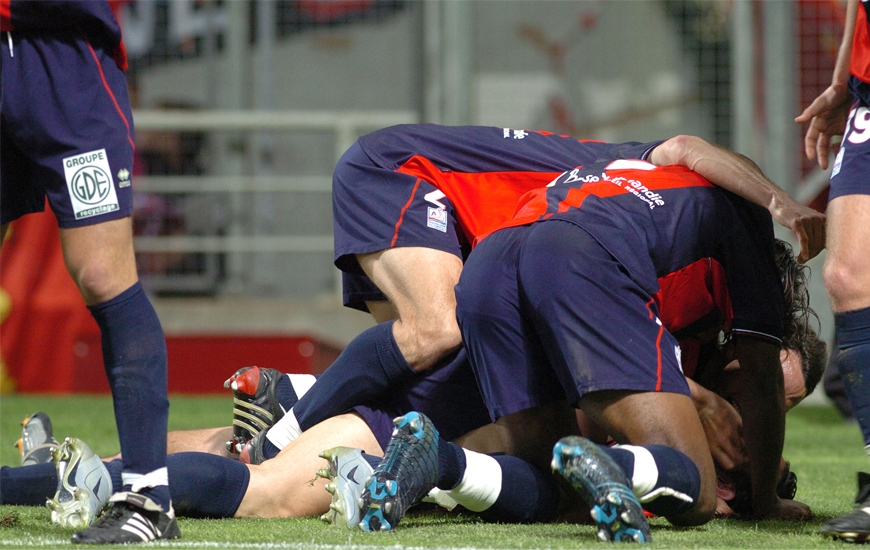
point(377, 208)
point(548, 314)
point(849, 175)
point(447, 393)
point(66, 130)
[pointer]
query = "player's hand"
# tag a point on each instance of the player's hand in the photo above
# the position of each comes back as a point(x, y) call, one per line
point(807, 224)
point(724, 430)
point(827, 116)
point(790, 510)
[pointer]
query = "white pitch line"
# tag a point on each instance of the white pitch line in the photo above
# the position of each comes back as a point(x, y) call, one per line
point(54, 543)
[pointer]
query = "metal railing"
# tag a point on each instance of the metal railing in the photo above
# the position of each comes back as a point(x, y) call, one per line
point(239, 241)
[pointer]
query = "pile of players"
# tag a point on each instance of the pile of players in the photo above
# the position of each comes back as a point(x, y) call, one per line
point(625, 319)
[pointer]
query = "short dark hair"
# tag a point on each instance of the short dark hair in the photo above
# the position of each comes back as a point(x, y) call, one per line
point(798, 333)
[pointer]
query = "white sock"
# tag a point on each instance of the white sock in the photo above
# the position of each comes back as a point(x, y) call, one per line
point(481, 482)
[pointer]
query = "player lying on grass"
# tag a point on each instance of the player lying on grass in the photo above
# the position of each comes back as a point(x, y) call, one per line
point(282, 487)
point(587, 332)
point(407, 202)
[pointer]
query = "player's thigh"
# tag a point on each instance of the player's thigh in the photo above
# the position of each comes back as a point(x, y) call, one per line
point(847, 264)
point(206, 440)
point(510, 366)
point(287, 485)
point(418, 281)
point(657, 418)
point(599, 328)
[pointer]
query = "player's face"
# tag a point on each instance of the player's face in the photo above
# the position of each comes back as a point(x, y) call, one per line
point(793, 376)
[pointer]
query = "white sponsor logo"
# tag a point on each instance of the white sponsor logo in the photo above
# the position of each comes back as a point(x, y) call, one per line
point(517, 134)
point(435, 198)
point(838, 161)
point(679, 353)
point(638, 189)
point(90, 184)
point(437, 219)
point(123, 178)
point(573, 176)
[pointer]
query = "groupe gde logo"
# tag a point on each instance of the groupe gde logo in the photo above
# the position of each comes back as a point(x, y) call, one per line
point(90, 184)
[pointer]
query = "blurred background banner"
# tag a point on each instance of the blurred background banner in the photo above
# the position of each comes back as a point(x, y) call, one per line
point(242, 109)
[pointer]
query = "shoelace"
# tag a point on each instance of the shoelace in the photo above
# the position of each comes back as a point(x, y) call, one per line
point(113, 517)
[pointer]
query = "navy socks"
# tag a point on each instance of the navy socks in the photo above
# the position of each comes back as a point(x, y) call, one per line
point(368, 366)
point(665, 480)
point(207, 486)
point(527, 495)
point(451, 464)
point(28, 485)
point(853, 360)
point(134, 353)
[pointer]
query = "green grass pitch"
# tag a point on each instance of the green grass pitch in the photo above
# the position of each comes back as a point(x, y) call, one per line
point(824, 452)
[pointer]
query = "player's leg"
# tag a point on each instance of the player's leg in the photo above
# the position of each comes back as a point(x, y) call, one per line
point(395, 237)
point(206, 440)
point(663, 451)
point(847, 280)
point(100, 259)
point(286, 486)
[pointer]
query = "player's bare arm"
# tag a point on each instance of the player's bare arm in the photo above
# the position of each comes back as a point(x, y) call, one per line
point(761, 403)
point(722, 426)
point(744, 178)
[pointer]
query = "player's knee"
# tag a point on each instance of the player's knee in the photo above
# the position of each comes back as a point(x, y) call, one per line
point(701, 512)
point(441, 337)
point(847, 287)
point(424, 341)
point(98, 281)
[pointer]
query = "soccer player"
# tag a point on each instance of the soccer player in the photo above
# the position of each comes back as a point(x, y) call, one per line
point(66, 134)
point(843, 110)
point(409, 200)
point(587, 331)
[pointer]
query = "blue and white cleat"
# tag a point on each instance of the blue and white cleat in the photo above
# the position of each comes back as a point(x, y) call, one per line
point(347, 472)
point(407, 473)
point(604, 487)
point(83, 487)
point(37, 442)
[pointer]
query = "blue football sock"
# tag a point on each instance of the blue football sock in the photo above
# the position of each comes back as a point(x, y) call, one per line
point(853, 360)
point(370, 365)
point(527, 494)
point(115, 468)
point(134, 354)
point(372, 459)
point(665, 480)
point(207, 486)
point(451, 464)
point(28, 485)
point(269, 449)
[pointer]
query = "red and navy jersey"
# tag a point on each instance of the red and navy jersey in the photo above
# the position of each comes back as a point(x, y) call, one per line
point(95, 18)
point(669, 221)
point(859, 63)
point(485, 170)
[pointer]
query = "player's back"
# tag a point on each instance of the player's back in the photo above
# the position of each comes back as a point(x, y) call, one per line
point(484, 170)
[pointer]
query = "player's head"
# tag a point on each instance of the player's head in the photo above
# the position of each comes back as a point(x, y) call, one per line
point(802, 349)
